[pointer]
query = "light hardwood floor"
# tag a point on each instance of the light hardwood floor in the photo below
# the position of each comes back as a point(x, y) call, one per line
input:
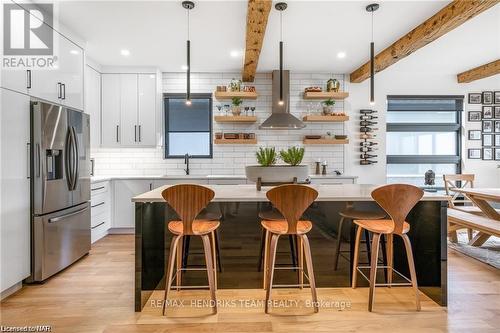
point(96, 295)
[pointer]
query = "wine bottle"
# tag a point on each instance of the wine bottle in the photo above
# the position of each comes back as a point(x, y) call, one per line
point(367, 123)
point(366, 136)
point(365, 156)
point(367, 162)
point(368, 129)
point(365, 112)
point(367, 117)
point(367, 149)
point(368, 143)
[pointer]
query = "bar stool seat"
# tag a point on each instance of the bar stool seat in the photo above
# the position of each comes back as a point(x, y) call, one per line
point(281, 226)
point(351, 213)
point(200, 227)
point(380, 226)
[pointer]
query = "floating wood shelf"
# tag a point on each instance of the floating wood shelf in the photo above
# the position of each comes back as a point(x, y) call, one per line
point(326, 95)
point(221, 95)
point(321, 118)
point(235, 119)
point(325, 141)
point(235, 141)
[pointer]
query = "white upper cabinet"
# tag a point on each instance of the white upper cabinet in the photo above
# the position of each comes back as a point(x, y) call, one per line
point(128, 102)
point(147, 109)
point(61, 84)
point(128, 110)
point(110, 110)
point(93, 104)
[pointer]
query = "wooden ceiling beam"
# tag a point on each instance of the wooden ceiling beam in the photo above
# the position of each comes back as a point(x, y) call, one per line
point(451, 16)
point(479, 72)
point(257, 15)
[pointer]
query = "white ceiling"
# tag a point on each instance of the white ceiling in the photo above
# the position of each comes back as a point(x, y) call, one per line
point(314, 32)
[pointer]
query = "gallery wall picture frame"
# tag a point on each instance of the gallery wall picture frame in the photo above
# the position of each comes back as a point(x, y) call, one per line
point(475, 115)
point(475, 98)
point(487, 140)
point(496, 97)
point(497, 140)
point(474, 134)
point(487, 126)
point(487, 97)
point(474, 153)
point(488, 112)
point(497, 154)
point(496, 112)
point(496, 126)
point(487, 154)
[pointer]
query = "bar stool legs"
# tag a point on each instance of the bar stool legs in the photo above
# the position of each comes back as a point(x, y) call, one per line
point(310, 271)
point(373, 270)
point(170, 269)
point(270, 267)
point(210, 270)
point(411, 264)
point(356, 258)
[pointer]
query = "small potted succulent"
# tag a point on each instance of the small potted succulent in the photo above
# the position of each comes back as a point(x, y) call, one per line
point(269, 172)
point(328, 106)
point(236, 106)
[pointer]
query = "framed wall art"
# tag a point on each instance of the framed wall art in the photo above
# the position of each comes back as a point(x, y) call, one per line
point(497, 154)
point(497, 140)
point(475, 98)
point(496, 126)
point(487, 140)
point(474, 153)
point(488, 112)
point(474, 134)
point(487, 154)
point(487, 126)
point(496, 112)
point(474, 115)
point(496, 97)
point(487, 97)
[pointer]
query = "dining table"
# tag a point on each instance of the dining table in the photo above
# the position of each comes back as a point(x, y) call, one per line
point(483, 198)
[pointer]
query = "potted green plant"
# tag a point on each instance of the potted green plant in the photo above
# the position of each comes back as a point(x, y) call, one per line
point(292, 156)
point(236, 107)
point(328, 106)
point(269, 172)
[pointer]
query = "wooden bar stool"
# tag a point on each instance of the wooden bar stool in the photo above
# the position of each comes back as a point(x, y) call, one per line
point(397, 200)
point(350, 213)
point(291, 201)
point(187, 200)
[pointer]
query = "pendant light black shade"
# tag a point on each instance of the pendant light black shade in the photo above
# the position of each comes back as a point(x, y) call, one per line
point(188, 5)
point(281, 6)
point(371, 8)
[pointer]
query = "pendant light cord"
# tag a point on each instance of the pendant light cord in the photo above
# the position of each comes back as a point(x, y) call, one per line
point(189, 24)
point(281, 25)
point(372, 26)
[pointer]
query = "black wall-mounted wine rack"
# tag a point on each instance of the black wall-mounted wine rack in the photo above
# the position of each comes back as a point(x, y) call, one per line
point(368, 146)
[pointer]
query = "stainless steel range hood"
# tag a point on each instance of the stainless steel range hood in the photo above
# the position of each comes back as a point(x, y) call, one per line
point(281, 119)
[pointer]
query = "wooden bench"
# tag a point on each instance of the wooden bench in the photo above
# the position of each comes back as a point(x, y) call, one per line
point(458, 219)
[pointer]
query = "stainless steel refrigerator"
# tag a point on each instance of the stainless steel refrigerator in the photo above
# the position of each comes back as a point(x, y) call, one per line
point(60, 188)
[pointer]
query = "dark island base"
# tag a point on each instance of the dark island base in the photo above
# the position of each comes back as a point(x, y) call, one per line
point(240, 240)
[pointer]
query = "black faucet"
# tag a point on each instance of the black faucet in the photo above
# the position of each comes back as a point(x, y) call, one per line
point(186, 161)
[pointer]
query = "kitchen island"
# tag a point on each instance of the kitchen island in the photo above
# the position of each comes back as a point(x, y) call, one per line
point(240, 236)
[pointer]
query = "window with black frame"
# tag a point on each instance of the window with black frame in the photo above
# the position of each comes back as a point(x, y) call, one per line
point(188, 128)
point(423, 133)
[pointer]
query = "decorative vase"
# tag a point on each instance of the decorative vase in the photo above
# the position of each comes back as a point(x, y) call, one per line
point(327, 110)
point(236, 110)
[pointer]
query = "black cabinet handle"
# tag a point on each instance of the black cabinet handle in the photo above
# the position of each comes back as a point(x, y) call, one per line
point(97, 188)
point(28, 78)
point(59, 90)
point(63, 91)
point(98, 225)
point(97, 205)
point(135, 133)
point(117, 133)
point(139, 133)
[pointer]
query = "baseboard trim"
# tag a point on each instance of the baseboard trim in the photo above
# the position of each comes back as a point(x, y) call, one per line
point(11, 290)
point(121, 231)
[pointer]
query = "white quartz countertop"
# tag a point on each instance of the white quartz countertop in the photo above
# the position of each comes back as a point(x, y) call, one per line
point(249, 193)
point(96, 179)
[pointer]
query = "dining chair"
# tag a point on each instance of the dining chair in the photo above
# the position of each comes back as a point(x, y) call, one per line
point(397, 200)
point(291, 201)
point(188, 200)
point(459, 201)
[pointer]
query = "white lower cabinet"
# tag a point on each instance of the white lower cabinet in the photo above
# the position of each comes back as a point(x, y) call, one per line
point(14, 188)
point(100, 222)
point(124, 208)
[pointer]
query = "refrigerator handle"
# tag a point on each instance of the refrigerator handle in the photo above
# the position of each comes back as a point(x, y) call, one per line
point(59, 218)
point(28, 160)
point(76, 164)
point(38, 157)
point(68, 160)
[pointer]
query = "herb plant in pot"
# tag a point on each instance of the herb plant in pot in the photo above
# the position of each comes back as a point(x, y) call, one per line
point(268, 172)
point(328, 107)
point(236, 107)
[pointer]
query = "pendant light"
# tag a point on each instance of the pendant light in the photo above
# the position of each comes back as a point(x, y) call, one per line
point(281, 6)
point(371, 8)
point(188, 5)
